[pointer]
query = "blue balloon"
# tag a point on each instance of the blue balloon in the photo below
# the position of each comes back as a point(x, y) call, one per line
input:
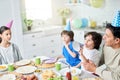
point(84, 22)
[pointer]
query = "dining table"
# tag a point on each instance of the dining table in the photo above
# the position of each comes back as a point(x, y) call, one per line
point(29, 67)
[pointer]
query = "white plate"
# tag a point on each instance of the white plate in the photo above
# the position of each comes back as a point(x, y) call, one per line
point(22, 62)
point(8, 77)
point(3, 69)
point(74, 71)
point(26, 69)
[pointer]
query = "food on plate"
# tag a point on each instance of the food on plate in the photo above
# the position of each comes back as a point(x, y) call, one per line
point(46, 65)
point(48, 74)
point(3, 67)
point(38, 70)
point(29, 77)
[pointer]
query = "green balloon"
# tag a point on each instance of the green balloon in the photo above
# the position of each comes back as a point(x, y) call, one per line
point(77, 23)
point(96, 3)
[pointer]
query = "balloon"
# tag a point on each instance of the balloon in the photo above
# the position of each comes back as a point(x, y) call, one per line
point(96, 3)
point(84, 22)
point(77, 23)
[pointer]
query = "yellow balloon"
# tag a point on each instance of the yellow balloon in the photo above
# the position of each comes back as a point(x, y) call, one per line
point(96, 3)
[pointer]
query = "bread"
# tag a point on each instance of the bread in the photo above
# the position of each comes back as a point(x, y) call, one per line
point(46, 65)
point(48, 74)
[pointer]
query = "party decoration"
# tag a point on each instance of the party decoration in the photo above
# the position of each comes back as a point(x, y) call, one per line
point(77, 23)
point(9, 25)
point(116, 20)
point(68, 26)
point(96, 3)
point(84, 22)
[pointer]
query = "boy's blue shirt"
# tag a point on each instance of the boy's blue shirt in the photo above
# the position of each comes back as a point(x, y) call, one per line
point(72, 61)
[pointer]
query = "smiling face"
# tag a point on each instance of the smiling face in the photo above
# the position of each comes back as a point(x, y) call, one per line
point(109, 38)
point(6, 35)
point(89, 43)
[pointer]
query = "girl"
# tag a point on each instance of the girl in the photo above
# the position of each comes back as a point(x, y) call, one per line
point(9, 52)
point(72, 56)
point(90, 50)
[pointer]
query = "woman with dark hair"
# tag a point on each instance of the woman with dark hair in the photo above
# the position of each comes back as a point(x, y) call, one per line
point(9, 52)
point(91, 47)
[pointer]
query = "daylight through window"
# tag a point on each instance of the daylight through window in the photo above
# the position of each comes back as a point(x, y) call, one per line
point(38, 9)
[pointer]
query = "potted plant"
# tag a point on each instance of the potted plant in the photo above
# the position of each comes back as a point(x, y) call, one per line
point(64, 12)
point(28, 23)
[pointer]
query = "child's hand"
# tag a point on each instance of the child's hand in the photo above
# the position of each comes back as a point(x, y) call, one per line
point(81, 51)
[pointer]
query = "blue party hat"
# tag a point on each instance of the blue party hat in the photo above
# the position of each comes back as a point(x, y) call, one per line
point(116, 20)
point(68, 26)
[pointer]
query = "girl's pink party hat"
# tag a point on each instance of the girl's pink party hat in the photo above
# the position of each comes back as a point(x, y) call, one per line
point(9, 25)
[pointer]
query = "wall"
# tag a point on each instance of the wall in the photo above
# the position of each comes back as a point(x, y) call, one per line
point(56, 19)
point(10, 10)
point(105, 13)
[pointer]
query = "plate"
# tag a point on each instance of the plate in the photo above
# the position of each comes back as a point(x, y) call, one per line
point(22, 62)
point(50, 60)
point(3, 68)
point(26, 69)
point(74, 71)
point(8, 77)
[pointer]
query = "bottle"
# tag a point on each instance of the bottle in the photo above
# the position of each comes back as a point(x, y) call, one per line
point(69, 76)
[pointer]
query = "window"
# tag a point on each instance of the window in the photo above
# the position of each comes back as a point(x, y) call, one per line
point(38, 9)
